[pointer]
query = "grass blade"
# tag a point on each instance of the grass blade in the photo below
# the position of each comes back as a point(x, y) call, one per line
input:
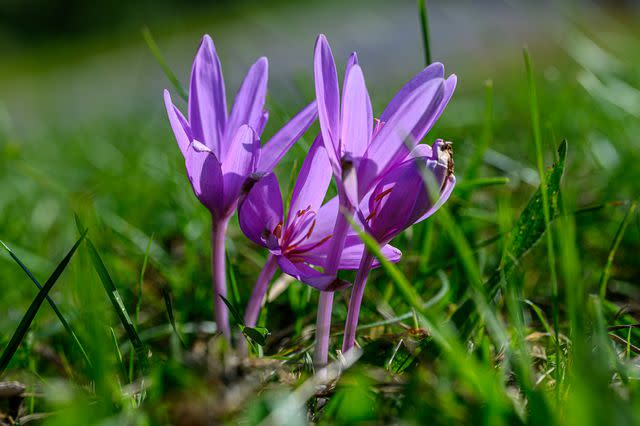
point(53, 305)
point(424, 26)
point(116, 300)
point(28, 317)
point(155, 50)
point(168, 302)
point(606, 273)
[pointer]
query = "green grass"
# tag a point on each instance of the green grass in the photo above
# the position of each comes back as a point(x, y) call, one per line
point(514, 305)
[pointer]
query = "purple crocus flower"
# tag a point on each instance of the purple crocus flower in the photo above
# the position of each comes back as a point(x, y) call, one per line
point(300, 241)
point(407, 194)
point(361, 153)
point(222, 149)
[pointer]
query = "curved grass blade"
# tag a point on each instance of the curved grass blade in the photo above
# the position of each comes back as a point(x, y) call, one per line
point(53, 305)
point(116, 300)
point(155, 50)
point(526, 232)
point(168, 302)
point(28, 317)
point(606, 272)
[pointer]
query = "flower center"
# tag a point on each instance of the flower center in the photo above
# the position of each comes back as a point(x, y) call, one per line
point(297, 233)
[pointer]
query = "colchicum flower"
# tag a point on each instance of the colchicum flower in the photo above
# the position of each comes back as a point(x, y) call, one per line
point(222, 149)
point(300, 241)
point(407, 194)
point(361, 153)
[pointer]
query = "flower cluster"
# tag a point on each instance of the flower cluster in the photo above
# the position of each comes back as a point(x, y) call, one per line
point(386, 180)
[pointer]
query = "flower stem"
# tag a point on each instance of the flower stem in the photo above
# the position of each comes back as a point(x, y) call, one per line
point(252, 312)
point(219, 274)
point(351, 324)
point(325, 303)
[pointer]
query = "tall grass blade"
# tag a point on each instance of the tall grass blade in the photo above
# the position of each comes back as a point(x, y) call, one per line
point(155, 50)
point(606, 272)
point(116, 300)
point(424, 26)
point(53, 305)
point(28, 317)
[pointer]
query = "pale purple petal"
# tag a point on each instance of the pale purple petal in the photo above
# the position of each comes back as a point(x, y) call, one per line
point(312, 182)
point(444, 196)
point(179, 125)
point(249, 102)
point(357, 118)
point(427, 122)
point(390, 144)
point(207, 99)
point(205, 174)
point(306, 274)
point(273, 151)
point(354, 248)
point(435, 70)
point(328, 97)
point(241, 161)
point(260, 208)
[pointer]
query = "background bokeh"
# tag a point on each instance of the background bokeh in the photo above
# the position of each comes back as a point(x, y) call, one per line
point(83, 130)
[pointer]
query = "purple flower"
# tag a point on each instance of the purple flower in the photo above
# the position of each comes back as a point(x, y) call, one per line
point(221, 149)
point(361, 153)
point(402, 197)
point(301, 240)
point(353, 142)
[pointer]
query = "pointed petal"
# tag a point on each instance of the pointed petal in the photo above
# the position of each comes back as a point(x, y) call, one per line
point(273, 151)
point(313, 180)
point(207, 99)
point(306, 274)
point(328, 97)
point(357, 118)
point(390, 144)
point(205, 174)
point(179, 125)
point(435, 70)
point(260, 208)
point(249, 101)
point(444, 196)
point(241, 161)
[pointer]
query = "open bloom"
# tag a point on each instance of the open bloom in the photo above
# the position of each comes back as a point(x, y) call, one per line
point(222, 149)
point(359, 152)
point(301, 240)
point(407, 194)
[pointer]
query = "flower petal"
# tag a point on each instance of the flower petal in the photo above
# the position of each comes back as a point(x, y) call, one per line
point(435, 70)
point(249, 102)
point(273, 151)
point(357, 118)
point(390, 144)
point(260, 208)
point(179, 125)
point(263, 122)
point(306, 274)
point(242, 159)
point(207, 99)
point(354, 248)
point(313, 180)
point(205, 174)
point(328, 97)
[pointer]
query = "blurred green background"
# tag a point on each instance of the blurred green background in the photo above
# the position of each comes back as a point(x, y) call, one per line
point(83, 130)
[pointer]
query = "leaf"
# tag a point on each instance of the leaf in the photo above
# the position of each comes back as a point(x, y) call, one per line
point(53, 305)
point(234, 312)
point(168, 303)
point(116, 300)
point(28, 317)
point(530, 226)
point(257, 334)
point(526, 232)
